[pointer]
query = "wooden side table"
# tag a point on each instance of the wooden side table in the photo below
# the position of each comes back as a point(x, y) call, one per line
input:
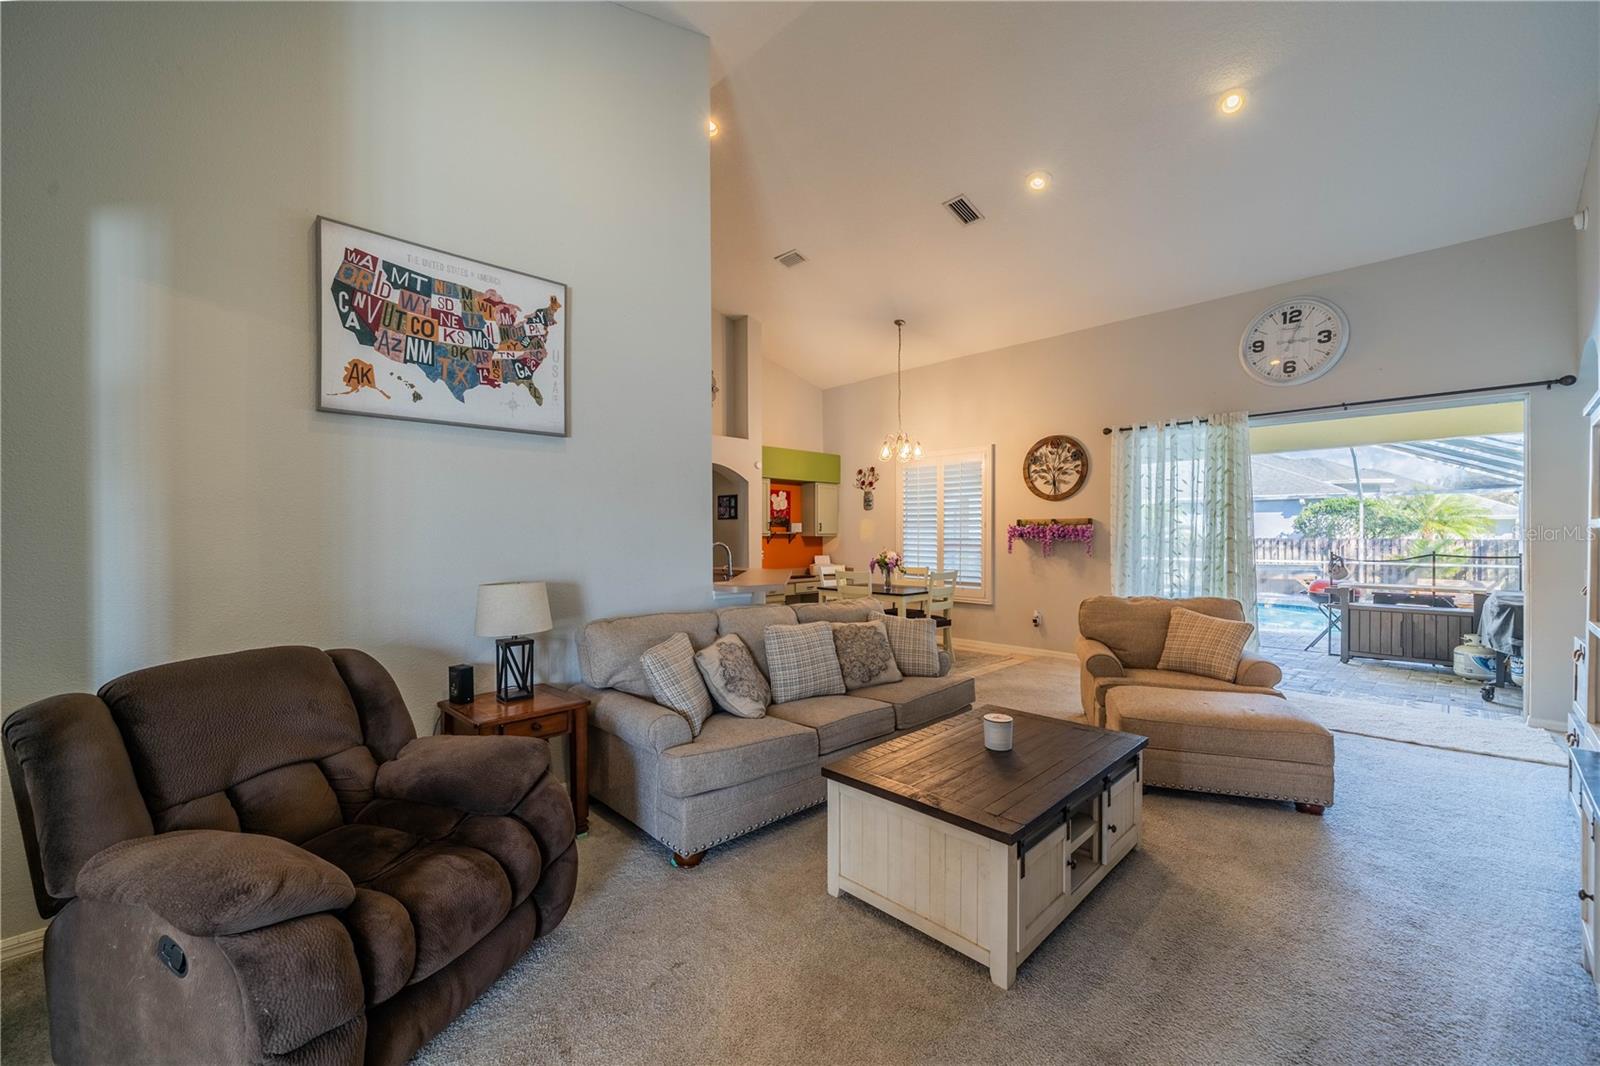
point(549, 713)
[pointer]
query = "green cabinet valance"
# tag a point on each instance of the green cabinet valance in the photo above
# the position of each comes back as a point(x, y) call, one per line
point(792, 464)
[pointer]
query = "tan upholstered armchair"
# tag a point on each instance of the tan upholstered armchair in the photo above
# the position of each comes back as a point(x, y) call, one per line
point(1120, 641)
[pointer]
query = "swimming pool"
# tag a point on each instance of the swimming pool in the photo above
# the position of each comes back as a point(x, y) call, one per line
point(1290, 618)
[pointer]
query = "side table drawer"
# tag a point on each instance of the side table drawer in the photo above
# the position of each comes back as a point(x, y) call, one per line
point(554, 725)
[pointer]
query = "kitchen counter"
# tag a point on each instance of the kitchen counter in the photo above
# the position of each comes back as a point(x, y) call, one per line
point(766, 580)
point(752, 586)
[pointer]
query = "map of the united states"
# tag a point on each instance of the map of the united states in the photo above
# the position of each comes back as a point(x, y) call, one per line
point(447, 332)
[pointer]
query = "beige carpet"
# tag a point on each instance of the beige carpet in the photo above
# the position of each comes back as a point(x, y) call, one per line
point(1428, 918)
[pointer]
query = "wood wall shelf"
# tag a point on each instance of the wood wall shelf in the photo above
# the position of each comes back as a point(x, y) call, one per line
point(1053, 522)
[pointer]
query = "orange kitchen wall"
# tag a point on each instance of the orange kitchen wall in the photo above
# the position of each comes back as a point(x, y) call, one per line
point(783, 551)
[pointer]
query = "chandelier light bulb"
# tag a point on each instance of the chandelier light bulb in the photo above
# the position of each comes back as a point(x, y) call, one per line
point(916, 451)
point(884, 452)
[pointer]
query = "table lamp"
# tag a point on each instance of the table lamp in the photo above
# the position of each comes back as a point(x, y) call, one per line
point(511, 612)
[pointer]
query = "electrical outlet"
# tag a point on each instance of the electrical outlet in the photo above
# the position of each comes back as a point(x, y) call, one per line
point(1038, 620)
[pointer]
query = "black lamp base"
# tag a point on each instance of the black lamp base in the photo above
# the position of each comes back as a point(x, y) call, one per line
point(513, 668)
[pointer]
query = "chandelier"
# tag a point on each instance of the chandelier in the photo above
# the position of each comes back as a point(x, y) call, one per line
point(898, 445)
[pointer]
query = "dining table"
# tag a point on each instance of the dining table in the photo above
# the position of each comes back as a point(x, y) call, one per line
point(902, 597)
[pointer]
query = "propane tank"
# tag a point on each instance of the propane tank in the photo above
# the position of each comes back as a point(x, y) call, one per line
point(1472, 660)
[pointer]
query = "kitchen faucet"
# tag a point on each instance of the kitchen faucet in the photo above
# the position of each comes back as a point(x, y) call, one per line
point(728, 571)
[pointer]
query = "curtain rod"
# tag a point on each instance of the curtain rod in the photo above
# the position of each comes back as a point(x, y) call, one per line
point(1565, 379)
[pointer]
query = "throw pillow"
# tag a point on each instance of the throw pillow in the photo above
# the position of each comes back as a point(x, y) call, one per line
point(1200, 644)
point(731, 674)
point(865, 657)
point(674, 680)
point(802, 663)
point(915, 643)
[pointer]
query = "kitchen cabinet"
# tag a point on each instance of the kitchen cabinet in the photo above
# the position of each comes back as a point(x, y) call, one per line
point(819, 509)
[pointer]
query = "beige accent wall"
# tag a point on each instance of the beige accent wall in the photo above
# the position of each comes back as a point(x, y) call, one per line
point(791, 410)
point(171, 489)
point(1487, 312)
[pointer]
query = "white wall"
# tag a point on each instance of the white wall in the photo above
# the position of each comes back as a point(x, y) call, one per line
point(791, 410)
point(1589, 257)
point(170, 488)
point(1487, 312)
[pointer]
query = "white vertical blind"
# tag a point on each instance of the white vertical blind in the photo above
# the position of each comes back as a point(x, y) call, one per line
point(946, 514)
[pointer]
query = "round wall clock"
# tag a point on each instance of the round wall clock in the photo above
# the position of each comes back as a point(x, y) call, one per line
point(1055, 467)
point(1295, 341)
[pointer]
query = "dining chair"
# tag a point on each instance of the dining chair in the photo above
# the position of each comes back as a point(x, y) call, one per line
point(854, 584)
point(941, 604)
point(828, 586)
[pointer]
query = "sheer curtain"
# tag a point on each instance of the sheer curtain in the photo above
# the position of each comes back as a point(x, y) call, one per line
point(1181, 502)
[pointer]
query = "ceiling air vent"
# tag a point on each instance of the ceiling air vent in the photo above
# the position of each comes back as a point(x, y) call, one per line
point(791, 258)
point(962, 208)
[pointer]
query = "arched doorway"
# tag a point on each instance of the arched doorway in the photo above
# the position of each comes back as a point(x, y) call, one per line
point(735, 531)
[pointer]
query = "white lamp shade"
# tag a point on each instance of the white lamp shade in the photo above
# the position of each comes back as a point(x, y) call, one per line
point(513, 609)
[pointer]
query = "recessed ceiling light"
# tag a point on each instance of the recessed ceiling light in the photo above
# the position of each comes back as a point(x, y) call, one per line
point(1039, 180)
point(1232, 101)
point(712, 129)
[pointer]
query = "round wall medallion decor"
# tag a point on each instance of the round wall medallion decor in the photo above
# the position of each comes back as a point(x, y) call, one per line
point(1055, 467)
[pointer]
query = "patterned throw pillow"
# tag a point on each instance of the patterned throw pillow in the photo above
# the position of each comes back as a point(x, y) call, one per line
point(731, 674)
point(675, 682)
point(1200, 644)
point(915, 643)
point(802, 663)
point(865, 657)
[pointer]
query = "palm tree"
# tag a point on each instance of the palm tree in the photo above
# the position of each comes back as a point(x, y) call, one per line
point(1449, 517)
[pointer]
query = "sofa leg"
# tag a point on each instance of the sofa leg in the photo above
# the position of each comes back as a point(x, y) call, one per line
point(1305, 808)
point(687, 862)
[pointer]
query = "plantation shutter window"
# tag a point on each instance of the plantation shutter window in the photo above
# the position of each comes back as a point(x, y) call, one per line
point(919, 516)
point(946, 518)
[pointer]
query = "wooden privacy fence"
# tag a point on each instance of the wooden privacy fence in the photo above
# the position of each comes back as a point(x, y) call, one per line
point(1484, 563)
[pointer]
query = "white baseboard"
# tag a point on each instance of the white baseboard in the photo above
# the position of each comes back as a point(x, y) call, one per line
point(1014, 649)
point(22, 945)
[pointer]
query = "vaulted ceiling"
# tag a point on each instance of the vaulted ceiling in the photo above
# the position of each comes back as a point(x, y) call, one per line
point(1370, 131)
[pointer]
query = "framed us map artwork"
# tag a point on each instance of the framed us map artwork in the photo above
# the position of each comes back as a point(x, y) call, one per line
point(412, 332)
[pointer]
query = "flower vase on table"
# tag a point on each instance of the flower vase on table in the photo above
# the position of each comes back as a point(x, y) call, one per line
point(886, 562)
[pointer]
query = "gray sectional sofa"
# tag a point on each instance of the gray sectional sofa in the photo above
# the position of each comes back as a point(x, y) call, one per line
point(691, 793)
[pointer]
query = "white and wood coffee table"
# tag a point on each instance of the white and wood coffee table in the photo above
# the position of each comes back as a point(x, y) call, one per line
point(984, 851)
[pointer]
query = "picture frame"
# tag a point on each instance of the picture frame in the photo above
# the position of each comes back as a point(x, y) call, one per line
point(727, 506)
point(411, 332)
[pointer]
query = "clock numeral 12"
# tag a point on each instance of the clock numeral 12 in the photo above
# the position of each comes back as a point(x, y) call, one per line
point(1293, 315)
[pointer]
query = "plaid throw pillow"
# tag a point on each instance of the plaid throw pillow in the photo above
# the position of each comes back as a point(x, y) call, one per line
point(675, 682)
point(802, 663)
point(915, 643)
point(1200, 644)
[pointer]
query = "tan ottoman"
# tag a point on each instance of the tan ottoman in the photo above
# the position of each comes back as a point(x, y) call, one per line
point(1239, 744)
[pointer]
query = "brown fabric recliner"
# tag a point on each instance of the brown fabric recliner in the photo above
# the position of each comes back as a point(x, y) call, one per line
point(1120, 640)
point(253, 858)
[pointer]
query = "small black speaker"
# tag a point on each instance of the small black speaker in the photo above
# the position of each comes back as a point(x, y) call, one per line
point(461, 683)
